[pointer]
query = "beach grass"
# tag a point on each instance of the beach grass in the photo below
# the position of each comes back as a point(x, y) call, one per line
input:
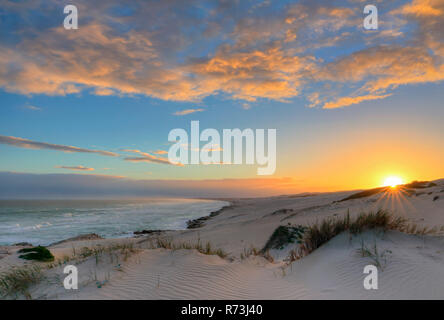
point(320, 232)
point(207, 248)
point(378, 257)
point(17, 280)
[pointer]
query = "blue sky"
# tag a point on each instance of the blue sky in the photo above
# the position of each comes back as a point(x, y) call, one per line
point(349, 105)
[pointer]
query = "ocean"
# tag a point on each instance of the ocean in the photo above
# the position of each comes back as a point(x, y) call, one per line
point(42, 222)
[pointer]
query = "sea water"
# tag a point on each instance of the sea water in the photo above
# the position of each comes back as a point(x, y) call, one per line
point(42, 222)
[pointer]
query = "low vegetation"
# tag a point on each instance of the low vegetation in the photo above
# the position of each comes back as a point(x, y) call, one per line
point(17, 280)
point(206, 248)
point(113, 252)
point(319, 233)
point(284, 235)
point(36, 253)
point(379, 258)
point(252, 251)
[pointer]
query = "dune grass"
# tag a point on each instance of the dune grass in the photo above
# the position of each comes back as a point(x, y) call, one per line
point(206, 248)
point(114, 252)
point(320, 232)
point(253, 251)
point(17, 280)
point(317, 234)
point(378, 257)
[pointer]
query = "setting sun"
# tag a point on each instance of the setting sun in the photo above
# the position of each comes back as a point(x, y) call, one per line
point(393, 181)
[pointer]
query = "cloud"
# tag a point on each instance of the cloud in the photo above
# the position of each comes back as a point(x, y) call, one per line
point(28, 185)
point(187, 111)
point(347, 101)
point(29, 144)
point(146, 157)
point(79, 168)
point(422, 8)
point(33, 108)
point(160, 152)
point(248, 75)
point(255, 53)
point(378, 70)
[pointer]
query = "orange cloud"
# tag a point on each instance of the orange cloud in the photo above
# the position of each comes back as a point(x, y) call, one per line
point(425, 8)
point(270, 55)
point(187, 111)
point(347, 101)
point(160, 152)
point(269, 73)
point(79, 168)
point(380, 69)
point(146, 157)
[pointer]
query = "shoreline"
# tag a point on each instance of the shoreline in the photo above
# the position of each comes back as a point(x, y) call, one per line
point(222, 259)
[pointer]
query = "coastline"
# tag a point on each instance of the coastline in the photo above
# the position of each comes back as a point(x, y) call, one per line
point(221, 258)
point(45, 222)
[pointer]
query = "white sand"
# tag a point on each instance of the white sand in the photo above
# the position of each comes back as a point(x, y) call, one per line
point(414, 269)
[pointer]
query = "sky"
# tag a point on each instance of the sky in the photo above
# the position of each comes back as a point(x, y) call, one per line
point(87, 112)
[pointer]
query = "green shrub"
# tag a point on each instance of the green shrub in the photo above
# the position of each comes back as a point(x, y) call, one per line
point(37, 253)
point(284, 235)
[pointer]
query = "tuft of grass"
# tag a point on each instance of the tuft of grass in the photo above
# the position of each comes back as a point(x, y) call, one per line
point(207, 249)
point(252, 251)
point(17, 280)
point(36, 253)
point(379, 258)
point(113, 251)
point(319, 233)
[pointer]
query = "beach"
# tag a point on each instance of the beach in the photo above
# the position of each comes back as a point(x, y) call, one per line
point(222, 256)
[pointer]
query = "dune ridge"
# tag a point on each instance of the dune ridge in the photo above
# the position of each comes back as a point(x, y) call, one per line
point(410, 266)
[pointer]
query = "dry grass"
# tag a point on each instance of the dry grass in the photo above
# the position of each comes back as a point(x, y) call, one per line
point(319, 233)
point(252, 251)
point(17, 280)
point(206, 248)
point(113, 252)
point(379, 258)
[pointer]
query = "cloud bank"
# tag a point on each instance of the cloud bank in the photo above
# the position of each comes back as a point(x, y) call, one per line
point(76, 168)
point(63, 186)
point(146, 157)
point(29, 144)
point(188, 50)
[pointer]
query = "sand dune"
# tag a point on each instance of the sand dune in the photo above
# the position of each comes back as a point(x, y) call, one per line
point(410, 266)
